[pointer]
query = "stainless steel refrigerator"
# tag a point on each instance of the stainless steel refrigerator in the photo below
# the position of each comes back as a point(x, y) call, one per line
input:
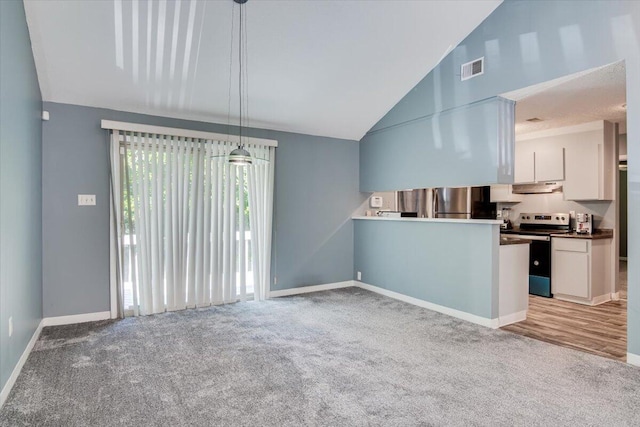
point(417, 201)
point(463, 203)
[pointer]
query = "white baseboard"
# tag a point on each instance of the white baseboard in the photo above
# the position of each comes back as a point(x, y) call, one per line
point(483, 321)
point(593, 301)
point(615, 296)
point(513, 318)
point(76, 318)
point(633, 359)
point(308, 289)
point(47, 321)
point(601, 299)
point(16, 371)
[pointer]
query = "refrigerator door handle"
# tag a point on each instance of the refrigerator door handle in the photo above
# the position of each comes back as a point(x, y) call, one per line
point(435, 202)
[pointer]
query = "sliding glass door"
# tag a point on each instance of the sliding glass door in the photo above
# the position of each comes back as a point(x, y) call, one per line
point(192, 227)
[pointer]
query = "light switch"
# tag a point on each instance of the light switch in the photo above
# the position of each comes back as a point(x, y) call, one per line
point(86, 199)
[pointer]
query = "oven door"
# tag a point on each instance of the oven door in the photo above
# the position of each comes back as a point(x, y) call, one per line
point(539, 264)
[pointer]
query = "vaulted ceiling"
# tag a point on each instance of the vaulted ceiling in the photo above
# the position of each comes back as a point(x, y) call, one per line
point(591, 95)
point(329, 68)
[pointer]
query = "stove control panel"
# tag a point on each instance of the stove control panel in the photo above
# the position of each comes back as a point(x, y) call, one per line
point(556, 219)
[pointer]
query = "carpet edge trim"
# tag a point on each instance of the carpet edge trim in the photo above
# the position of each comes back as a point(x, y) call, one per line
point(463, 315)
point(513, 318)
point(18, 368)
point(311, 288)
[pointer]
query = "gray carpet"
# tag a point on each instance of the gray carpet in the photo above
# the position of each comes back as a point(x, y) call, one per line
point(347, 357)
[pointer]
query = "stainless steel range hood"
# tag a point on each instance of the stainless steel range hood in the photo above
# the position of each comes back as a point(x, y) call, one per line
point(537, 188)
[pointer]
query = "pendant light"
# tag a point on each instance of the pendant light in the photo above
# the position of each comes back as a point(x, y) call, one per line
point(240, 156)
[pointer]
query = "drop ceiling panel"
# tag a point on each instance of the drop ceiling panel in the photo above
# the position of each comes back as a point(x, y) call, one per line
point(330, 68)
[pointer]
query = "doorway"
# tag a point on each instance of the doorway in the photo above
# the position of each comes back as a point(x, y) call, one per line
point(596, 324)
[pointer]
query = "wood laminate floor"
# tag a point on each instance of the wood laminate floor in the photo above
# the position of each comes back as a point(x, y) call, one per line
point(600, 329)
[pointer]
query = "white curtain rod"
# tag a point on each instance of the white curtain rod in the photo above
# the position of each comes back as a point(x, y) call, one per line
point(185, 133)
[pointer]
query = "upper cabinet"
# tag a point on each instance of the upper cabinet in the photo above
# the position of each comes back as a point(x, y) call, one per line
point(504, 193)
point(549, 163)
point(590, 164)
point(524, 165)
point(581, 156)
point(538, 161)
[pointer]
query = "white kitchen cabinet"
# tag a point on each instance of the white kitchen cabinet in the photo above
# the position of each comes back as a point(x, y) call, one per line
point(538, 161)
point(581, 270)
point(524, 166)
point(549, 162)
point(513, 279)
point(504, 193)
point(570, 267)
point(589, 165)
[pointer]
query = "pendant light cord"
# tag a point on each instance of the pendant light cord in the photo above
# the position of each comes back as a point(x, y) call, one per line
point(240, 70)
point(245, 48)
point(233, 10)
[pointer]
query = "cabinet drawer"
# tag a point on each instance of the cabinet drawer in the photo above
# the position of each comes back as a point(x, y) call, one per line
point(571, 245)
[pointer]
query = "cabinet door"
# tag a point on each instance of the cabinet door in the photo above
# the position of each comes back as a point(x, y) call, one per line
point(549, 163)
point(583, 172)
point(503, 193)
point(570, 273)
point(524, 169)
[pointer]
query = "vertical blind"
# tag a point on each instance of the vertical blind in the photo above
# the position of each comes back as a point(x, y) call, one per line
point(192, 229)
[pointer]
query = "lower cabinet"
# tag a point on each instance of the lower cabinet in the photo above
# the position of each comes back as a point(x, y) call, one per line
point(581, 270)
point(513, 279)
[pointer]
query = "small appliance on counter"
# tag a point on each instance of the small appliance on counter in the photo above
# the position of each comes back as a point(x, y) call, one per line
point(396, 214)
point(506, 222)
point(388, 214)
point(584, 223)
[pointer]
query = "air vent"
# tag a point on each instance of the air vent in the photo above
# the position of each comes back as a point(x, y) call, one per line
point(472, 69)
point(534, 120)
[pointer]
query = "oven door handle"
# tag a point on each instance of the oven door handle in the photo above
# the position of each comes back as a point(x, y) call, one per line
point(530, 237)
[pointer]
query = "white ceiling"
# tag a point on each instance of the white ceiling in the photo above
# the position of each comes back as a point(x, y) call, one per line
point(596, 94)
point(329, 68)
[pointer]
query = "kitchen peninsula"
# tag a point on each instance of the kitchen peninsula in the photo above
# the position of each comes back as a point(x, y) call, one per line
point(453, 266)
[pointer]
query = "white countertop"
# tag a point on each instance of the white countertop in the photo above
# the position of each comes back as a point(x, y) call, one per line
point(409, 219)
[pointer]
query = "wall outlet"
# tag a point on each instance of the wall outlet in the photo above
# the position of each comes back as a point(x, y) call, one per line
point(86, 199)
point(10, 325)
point(359, 275)
point(275, 280)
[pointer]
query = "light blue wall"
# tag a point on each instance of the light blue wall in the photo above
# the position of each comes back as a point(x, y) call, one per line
point(451, 264)
point(524, 43)
point(529, 42)
point(20, 188)
point(316, 191)
point(419, 153)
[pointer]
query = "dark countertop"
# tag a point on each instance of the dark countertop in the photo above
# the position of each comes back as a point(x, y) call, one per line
point(504, 240)
point(601, 233)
